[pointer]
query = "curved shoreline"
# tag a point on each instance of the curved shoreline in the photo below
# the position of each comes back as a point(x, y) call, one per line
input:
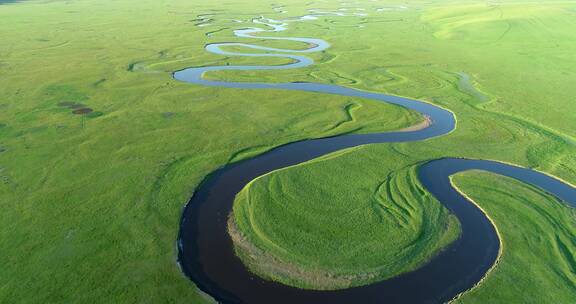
point(206, 252)
point(501, 244)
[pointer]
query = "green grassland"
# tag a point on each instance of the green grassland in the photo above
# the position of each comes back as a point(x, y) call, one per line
point(91, 205)
point(326, 225)
point(507, 104)
point(537, 263)
point(91, 210)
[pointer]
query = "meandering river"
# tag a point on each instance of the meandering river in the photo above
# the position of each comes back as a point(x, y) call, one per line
point(206, 253)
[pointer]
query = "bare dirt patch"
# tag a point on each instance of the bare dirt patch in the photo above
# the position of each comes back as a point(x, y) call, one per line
point(422, 125)
point(82, 111)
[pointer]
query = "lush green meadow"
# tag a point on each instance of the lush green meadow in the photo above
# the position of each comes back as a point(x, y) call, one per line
point(327, 225)
point(537, 263)
point(91, 203)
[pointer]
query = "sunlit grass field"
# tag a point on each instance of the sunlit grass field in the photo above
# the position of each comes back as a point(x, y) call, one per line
point(326, 225)
point(537, 263)
point(91, 202)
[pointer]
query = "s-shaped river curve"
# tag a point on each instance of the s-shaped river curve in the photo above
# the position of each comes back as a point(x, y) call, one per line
point(206, 253)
